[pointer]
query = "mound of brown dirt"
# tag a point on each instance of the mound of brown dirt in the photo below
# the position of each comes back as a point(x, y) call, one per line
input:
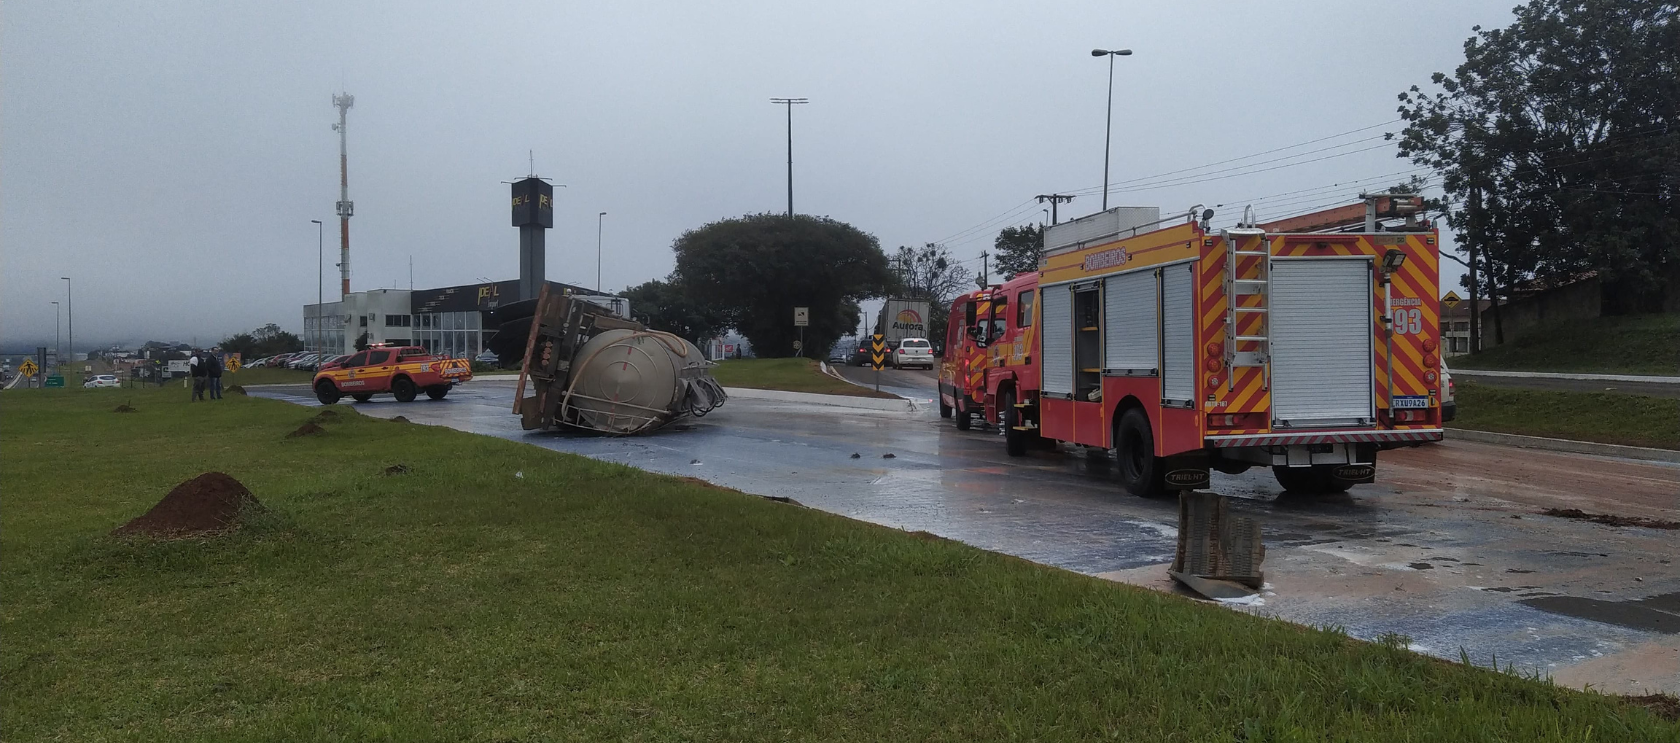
point(307, 429)
point(1610, 519)
point(327, 414)
point(397, 469)
point(1665, 706)
point(209, 503)
point(124, 408)
point(399, 419)
point(237, 390)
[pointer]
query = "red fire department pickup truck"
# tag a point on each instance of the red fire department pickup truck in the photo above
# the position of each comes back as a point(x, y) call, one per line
point(402, 371)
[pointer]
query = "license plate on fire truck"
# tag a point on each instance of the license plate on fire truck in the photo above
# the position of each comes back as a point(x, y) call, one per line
point(1410, 401)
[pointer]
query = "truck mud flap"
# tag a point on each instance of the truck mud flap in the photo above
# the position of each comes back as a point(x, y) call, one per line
point(1185, 471)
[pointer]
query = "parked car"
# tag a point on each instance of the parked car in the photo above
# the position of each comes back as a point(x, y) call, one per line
point(101, 380)
point(488, 357)
point(913, 352)
point(332, 362)
point(305, 362)
point(842, 351)
point(1449, 406)
point(863, 356)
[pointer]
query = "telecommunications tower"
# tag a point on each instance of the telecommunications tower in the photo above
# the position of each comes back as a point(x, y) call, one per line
point(345, 207)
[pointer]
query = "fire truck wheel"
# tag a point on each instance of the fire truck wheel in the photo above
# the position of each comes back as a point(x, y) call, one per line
point(1140, 469)
point(1308, 480)
point(963, 420)
point(362, 396)
point(1014, 441)
point(403, 389)
point(437, 391)
point(944, 410)
point(327, 392)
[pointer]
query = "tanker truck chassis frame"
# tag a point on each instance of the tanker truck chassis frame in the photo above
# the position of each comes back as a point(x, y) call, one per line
point(562, 328)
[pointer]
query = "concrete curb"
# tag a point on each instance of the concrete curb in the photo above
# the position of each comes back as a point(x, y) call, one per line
point(898, 405)
point(1555, 375)
point(1565, 445)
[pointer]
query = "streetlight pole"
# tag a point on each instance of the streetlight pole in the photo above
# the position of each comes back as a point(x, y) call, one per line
point(790, 103)
point(1108, 129)
point(598, 219)
point(320, 268)
point(57, 311)
point(70, 310)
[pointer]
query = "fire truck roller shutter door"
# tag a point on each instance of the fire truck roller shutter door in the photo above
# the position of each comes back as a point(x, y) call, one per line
point(1178, 334)
point(1321, 337)
point(1131, 323)
point(1057, 340)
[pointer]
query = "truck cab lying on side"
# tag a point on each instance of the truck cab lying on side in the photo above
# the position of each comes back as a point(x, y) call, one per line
point(1306, 345)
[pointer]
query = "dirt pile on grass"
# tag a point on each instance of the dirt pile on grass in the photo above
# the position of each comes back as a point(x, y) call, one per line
point(207, 504)
point(307, 429)
point(1610, 519)
point(1665, 706)
point(237, 390)
point(124, 408)
point(399, 419)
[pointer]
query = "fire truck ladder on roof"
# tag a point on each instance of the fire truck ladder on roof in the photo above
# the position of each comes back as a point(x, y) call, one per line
point(1258, 246)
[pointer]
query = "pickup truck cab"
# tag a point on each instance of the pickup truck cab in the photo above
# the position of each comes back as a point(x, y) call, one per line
point(403, 371)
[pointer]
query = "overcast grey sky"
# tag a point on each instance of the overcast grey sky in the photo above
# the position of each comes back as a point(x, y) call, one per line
point(169, 156)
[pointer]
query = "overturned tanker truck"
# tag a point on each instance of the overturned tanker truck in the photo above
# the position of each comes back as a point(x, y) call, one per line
point(588, 369)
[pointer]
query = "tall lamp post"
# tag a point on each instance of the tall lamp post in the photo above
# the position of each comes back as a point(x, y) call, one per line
point(320, 268)
point(57, 311)
point(70, 310)
point(1108, 129)
point(790, 103)
point(598, 218)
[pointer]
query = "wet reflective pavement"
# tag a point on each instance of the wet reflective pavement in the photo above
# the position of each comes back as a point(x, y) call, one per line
point(1447, 548)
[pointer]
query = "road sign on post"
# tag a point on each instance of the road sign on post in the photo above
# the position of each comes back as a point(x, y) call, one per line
point(28, 368)
point(1451, 300)
point(801, 316)
point(233, 362)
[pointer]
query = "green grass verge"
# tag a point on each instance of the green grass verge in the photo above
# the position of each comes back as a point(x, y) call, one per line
point(793, 375)
point(1605, 417)
point(498, 591)
point(1637, 344)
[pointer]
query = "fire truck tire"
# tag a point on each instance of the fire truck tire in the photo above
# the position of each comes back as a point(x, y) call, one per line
point(437, 391)
point(963, 420)
point(1308, 480)
point(1014, 441)
point(327, 392)
point(403, 389)
point(1141, 472)
point(362, 396)
point(944, 410)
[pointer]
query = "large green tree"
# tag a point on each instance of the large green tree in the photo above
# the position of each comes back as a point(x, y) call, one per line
point(1558, 144)
point(1017, 249)
point(754, 270)
point(664, 305)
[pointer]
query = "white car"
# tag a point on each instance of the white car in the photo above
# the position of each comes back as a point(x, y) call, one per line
point(101, 380)
point(913, 352)
point(1449, 406)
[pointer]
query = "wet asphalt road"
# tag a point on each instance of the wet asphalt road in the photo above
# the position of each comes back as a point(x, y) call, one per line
point(1447, 548)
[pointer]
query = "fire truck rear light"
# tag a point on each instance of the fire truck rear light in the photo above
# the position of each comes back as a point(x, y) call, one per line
point(1430, 376)
point(1430, 360)
point(1213, 381)
point(1214, 363)
point(1429, 344)
point(1215, 348)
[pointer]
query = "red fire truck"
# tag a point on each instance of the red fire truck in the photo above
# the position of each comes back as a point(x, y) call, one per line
point(1298, 345)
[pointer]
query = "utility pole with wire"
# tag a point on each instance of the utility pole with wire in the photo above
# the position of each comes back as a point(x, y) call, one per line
point(343, 102)
point(790, 103)
point(1054, 199)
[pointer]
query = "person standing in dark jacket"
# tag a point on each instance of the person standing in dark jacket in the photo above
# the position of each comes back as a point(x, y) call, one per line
point(214, 360)
point(198, 369)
